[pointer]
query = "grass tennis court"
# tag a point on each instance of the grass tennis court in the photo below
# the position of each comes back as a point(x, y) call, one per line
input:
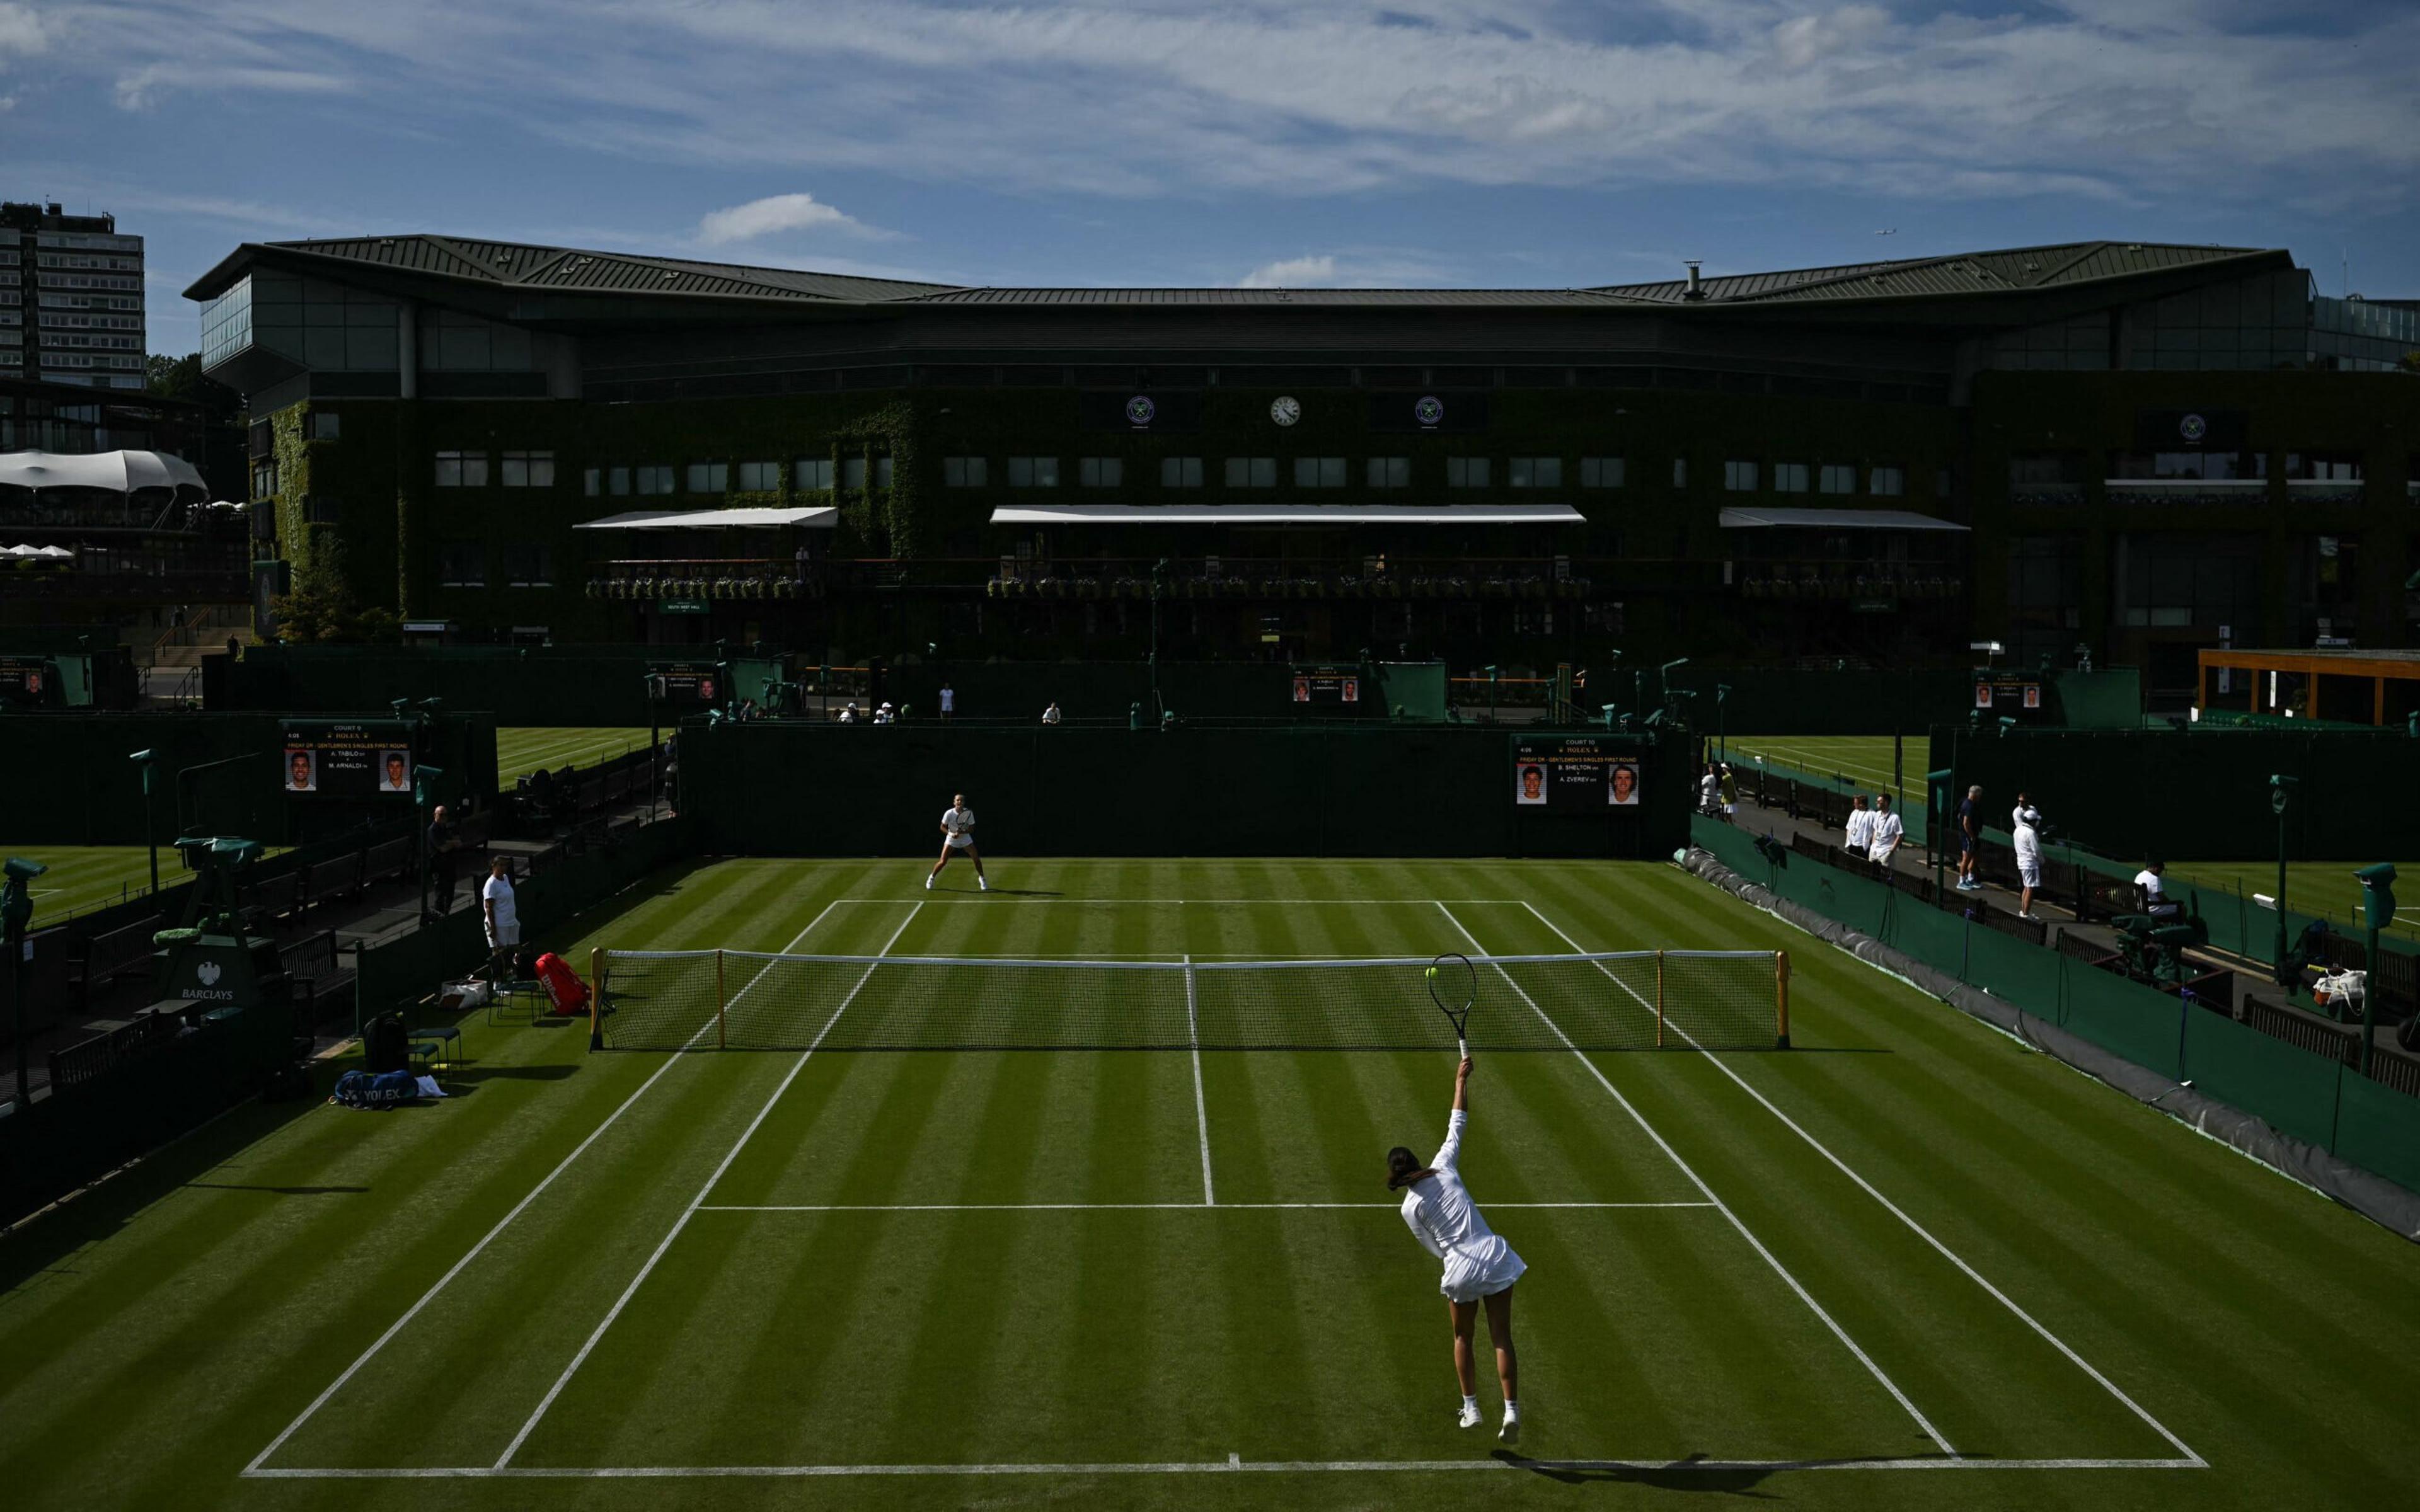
point(1864, 760)
point(521, 750)
point(1907, 1264)
point(85, 877)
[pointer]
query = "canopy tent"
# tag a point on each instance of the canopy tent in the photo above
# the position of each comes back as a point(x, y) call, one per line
point(807, 518)
point(1834, 519)
point(1287, 514)
point(117, 471)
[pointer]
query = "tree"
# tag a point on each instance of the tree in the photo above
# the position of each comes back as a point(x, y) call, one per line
point(322, 606)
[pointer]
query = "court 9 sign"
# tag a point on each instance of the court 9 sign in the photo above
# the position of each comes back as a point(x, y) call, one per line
point(324, 759)
point(1572, 773)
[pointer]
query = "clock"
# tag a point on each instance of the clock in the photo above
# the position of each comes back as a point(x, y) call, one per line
point(1285, 409)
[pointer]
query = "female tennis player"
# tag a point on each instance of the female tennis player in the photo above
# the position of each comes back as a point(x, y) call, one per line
point(1480, 1268)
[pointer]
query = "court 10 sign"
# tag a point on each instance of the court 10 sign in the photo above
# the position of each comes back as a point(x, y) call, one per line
point(1572, 773)
point(327, 760)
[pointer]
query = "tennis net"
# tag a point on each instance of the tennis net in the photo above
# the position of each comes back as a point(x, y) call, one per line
point(745, 1001)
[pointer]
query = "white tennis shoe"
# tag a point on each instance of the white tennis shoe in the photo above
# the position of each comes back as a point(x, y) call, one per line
point(1469, 1417)
point(982, 884)
point(1510, 1431)
point(928, 882)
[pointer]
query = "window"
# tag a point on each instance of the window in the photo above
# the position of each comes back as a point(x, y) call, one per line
point(1466, 472)
point(1788, 477)
point(2324, 467)
point(526, 470)
point(1390, 472)
point(710, 477)
point(461, 470)
point(592, 482)
point(1836, 478)
point(617, 481)
point(852, 472)
point(1600, 472)
point(815, 472)
point(1679, 473)
point(264, 480)
point(461, 567)
point(2208, 467)
point(1180, 472)
point(323, 426)
point(1887, 483)
point(965, 472)
point(882, 473)
point(1319, 472)
point(1251, 472)
point(1033, 472)
point(528, 564)
point(655, 480)
point(1102, 473)
point(760, 477)
point(1739, 477)
point(1537, 473)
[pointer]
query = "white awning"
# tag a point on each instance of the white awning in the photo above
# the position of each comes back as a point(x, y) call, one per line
point(1834, 519)
point(715, 519)
point(117, 471)
point(1288, 514)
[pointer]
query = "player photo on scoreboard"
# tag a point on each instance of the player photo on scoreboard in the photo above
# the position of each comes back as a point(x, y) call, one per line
point(1983, 695)
point(1529, 782)
point(395, 771)
point(1621, 784)
point(1353, 690)
point(1302, 690)
point(302, 771)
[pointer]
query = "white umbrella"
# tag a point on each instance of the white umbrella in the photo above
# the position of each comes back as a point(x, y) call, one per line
point(53, 551)
point(119, 471)
point(21, 552)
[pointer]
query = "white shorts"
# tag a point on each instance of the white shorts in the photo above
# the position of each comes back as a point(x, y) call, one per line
point(2029, 870)
point(962, 842)
point(502, 935)
point(1470, 1276)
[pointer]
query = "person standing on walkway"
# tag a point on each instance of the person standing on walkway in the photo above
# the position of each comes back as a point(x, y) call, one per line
point(2024, 829)
point(444, 847)
point(1970, 835)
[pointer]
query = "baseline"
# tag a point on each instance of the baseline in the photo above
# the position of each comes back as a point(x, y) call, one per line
point(1232, 1464)
point(2191, 1460)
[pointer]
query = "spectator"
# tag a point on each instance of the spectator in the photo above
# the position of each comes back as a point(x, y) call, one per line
point(2024, 829)
point(1050, 715)
point(849, 712)
point(1884, 837)
point(1710, 788)
point(949, 699)
point(2152, 880)
point(1860, 829)
point(503, 917)
point(1730, 793)
point(1970, 834)
point(885, 715)
point(444, 844)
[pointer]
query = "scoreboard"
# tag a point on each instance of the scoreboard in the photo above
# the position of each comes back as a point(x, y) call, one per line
point(355, 760)
point(685, 682)
point(2003, 694)
point(1328, 685)
point(26, 680)
point(1572, 773)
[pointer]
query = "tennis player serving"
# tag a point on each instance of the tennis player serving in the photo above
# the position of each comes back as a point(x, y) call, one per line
point(1480, 1268)
point(958, 839)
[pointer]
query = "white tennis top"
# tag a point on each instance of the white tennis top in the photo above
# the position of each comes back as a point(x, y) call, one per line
point(499, 890)
point(2023, 831)
point(1441, 1214)
point(1861, 826)
point(960, 822)
point(1888, 831)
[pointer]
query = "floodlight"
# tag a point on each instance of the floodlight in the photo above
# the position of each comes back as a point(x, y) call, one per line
point(1989, 648)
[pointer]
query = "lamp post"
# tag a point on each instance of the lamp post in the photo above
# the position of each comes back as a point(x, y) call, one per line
point(16, 912)
point(150, 765)
point(2280, 789)
point(1491, 675)
point(1663, 679)
point(2378, 911)
point(1722, 691)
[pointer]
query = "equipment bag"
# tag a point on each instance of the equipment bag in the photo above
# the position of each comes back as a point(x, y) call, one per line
point(564, 987)
point(385, 1044)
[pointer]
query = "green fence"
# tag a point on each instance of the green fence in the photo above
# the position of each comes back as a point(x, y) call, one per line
point(2306, 1096)
point(1368, 789)
point(2200, 794)
point(1765, 701)
point(578, 685)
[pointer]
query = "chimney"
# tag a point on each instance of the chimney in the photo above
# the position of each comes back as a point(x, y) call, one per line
point(1697, 290)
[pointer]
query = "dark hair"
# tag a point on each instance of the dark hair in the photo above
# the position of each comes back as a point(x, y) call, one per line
point(1401, 1167)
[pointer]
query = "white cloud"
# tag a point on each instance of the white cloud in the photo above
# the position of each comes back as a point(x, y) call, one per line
point(23, 31)
point(1293, 272)
point(771, 215)
point(143, 88)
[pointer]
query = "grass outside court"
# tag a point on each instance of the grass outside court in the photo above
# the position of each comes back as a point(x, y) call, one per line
point(523, 749)
point(893, 1279)
point(85, 877)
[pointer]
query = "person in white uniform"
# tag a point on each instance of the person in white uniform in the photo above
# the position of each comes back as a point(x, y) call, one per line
point(1884, 837)
point(958, 839)
point(2156, 901)
point(1860, 829)
point(1480, 1268)
point(2024, 830)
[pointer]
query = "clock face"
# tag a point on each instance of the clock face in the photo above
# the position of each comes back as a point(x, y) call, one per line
point(1285, 410)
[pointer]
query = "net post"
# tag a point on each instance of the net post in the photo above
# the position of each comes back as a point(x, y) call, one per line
point(1781, 999)
point(1659, 999)
point(722, 1007)
point(596, 997)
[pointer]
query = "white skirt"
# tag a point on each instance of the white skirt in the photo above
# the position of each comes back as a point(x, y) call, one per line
point(1470, 1274)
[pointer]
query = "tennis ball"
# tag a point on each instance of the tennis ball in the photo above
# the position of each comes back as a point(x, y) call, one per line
point(1432, 973)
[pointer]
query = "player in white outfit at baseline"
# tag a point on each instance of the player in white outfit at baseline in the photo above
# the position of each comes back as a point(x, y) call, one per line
point(2024, 829)
point(1480, 1268)
point(958, 839)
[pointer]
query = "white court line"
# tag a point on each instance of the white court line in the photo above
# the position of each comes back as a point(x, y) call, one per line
point(1232, 1464)
point(426, 1297)
point(1920, 1231)
point(1778, 1269)
point(1200, 1107)
point(1127, 1207)
point(690, 1211)
point(1289, 903)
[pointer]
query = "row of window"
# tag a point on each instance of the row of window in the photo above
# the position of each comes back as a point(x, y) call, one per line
point(85, 301)
point(514, 469)
point(85, 259)
point(526, 566)
point(1829, 478)
point(89, 281)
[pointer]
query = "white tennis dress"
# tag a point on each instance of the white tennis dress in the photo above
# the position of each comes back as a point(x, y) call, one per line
point(1438, 1211)
point(961, 825)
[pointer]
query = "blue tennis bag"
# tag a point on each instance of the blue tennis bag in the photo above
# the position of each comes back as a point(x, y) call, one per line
point(386, 1090)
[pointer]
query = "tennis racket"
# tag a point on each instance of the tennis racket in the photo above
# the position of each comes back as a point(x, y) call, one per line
point(1454, 986)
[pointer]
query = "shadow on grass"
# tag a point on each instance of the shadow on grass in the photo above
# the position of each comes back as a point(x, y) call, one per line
point(1691, 1474)
point(281, 1191)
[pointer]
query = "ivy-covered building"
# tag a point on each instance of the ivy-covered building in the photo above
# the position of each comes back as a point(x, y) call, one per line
point(2131, 448)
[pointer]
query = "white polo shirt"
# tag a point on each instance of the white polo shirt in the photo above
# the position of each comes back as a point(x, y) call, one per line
point(960, 822)
point(2022, 830)
point(1861, 827)
point(1886, 833)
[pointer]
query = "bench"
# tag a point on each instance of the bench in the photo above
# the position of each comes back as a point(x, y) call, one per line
point(107, 954)
point(2001, 921)
point(2078, 947)
point(2396, 981)
point(339, 876)
point(278, 896)
point(2303, 1030)
point(388, 859)
point(318, 982)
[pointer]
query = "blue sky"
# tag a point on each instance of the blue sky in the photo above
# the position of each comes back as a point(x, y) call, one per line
point(1529, 143)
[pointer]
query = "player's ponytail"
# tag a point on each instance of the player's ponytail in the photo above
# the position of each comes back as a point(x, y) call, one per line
point(1404, 1168)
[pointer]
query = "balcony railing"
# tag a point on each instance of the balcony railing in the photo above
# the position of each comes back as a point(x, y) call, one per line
point(2185, 490)
point(690, 580)
point(1849, 580)
point(2045, 495)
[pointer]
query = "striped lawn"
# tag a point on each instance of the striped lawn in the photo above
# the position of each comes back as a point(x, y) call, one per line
point(2317, 887)
point(771, 1262)
point(1864, 760)
point(521, 750)
point(85, 877)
